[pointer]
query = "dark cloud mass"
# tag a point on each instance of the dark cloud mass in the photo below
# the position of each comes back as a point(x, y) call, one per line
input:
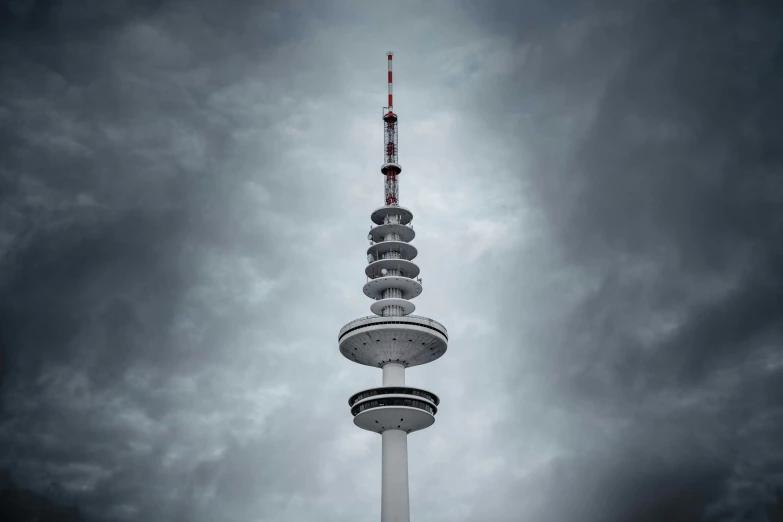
point(669, 199)
point(185, 188)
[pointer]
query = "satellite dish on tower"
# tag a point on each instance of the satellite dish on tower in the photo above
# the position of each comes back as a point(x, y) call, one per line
point(383, 271)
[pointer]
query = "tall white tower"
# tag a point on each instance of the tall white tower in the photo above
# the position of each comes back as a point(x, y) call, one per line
point(392, 339)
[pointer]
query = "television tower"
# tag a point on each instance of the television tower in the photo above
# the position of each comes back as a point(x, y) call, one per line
point(393, 339)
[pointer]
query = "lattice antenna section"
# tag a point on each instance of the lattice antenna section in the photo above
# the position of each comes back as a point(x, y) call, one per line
point(391, 168)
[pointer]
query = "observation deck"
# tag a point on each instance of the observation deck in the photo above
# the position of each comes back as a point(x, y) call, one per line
point(409, 340)
point(397, 390)
point(394, 407)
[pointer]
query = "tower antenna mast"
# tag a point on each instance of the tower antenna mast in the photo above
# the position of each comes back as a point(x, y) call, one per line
point(391, 167)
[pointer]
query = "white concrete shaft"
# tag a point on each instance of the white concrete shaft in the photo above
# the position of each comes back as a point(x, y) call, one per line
point(395, 506)
point(391, 311)
point(393, 374)
point(390, 293)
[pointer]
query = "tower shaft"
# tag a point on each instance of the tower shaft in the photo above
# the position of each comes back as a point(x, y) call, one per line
point(395, 503)
point(393, 374)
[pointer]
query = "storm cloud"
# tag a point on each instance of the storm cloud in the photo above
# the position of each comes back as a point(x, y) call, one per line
point(186, 189)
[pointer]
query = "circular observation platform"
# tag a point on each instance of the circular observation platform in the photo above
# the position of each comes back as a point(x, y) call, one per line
point(394, 408)
point(407, 307)
point(407, 251)
point(378, 233)
point(409, 340)
point(393, 390)
point(403, 266)
point(374, 288)
point(379, 214)
point(381, 418)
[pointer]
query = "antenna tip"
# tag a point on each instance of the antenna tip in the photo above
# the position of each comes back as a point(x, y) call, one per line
point(389, 53)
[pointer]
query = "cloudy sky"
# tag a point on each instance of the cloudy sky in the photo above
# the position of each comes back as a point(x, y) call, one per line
point(186, 188)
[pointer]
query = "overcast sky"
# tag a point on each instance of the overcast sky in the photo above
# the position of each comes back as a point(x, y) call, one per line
point(598, 198)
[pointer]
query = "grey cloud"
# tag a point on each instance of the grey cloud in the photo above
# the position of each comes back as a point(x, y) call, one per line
point(666, 198)
point(117, 194)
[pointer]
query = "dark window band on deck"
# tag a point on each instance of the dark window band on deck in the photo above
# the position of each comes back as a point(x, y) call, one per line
point(394, 391)
point(395, 401)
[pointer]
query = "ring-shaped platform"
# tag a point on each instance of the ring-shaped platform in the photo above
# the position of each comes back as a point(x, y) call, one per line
point(393, 390)
point(407, 307)
point(378, 215)
point(385, 418)
point(370, 320)
point(405, 267)
point(421, 402)
point(410, 340)
point(410, 287)
point(406, 250)
point(406, 233)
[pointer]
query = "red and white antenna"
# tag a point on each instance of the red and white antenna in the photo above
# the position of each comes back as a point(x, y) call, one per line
point(391, 168)
point(390, 54)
